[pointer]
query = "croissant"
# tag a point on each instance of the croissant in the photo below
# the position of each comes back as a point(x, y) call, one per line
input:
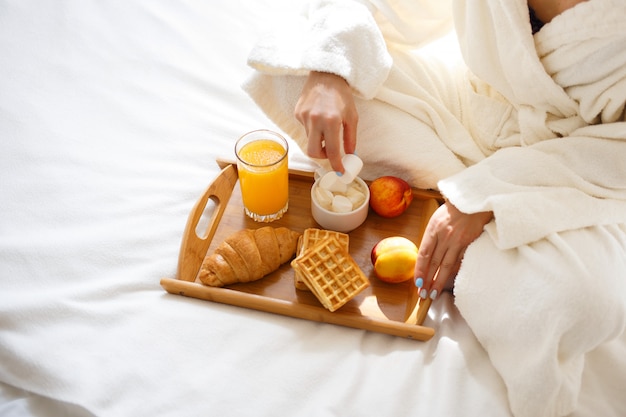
point(248, 255)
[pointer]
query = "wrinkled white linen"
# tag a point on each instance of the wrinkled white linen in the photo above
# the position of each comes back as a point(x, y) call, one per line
point(111, 116)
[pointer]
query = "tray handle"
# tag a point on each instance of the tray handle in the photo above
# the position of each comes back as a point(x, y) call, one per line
point(194, 248)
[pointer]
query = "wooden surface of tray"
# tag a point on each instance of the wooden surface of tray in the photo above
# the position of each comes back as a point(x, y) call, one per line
point(384, 308)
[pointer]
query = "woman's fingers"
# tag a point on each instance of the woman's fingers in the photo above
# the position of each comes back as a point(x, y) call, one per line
point(324, 141)
point(425, 269)
point(434, 269)
point(447, 270)
point(327, 111)
point(445, 240)
point(330, 139)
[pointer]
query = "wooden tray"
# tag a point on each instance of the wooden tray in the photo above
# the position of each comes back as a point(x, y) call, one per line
point(393, 309)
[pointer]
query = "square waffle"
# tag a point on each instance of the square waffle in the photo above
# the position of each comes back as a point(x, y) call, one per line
point(308, 239)
point(330, 273)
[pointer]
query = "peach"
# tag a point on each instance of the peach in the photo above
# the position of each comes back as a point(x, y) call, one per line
point(394, 259)
point(390, 196)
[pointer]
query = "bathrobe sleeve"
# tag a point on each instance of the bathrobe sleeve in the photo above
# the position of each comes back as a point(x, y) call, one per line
point(349, 38)
point(549, 187)
point(568, 170)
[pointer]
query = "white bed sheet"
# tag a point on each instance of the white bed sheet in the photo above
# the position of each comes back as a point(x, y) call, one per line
point(111, 117)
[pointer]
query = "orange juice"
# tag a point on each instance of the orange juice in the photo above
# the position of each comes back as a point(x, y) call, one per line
point(263, 177)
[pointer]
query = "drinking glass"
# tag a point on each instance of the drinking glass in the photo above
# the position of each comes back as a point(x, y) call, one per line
point(262, 164)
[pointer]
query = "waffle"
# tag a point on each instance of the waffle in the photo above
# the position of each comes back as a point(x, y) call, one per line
point(330, 273)
point(308, 239)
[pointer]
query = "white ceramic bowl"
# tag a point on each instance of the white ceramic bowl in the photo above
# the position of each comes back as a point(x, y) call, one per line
point(340, 222)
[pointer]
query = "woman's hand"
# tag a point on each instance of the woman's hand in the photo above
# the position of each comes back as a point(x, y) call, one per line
point(326, 110)
point(448, 233)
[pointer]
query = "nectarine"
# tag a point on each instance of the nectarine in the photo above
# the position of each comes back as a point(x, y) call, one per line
point(390, 196)
point(394, 259)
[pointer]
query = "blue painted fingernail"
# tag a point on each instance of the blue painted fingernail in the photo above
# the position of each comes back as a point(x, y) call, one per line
point(339, 174)
point(419, 282)
point(433, 294)
point(423, 294)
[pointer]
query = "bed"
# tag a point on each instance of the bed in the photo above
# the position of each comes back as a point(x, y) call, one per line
point(112, 117)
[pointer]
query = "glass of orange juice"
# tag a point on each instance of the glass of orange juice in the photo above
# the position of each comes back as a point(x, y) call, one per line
point(263, 174)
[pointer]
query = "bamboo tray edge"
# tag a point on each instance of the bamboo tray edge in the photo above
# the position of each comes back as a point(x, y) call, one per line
point(194, 248)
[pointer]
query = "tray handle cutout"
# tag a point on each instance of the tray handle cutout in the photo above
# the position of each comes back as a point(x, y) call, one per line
point(194, 248)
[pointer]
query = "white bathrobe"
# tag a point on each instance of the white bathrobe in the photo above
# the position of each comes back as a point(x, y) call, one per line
point(530, 127)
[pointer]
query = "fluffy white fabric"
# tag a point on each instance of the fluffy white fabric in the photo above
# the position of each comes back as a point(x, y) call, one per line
point(411, 100)
point(111, 116)
point(534, 132)
point(558, 201)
